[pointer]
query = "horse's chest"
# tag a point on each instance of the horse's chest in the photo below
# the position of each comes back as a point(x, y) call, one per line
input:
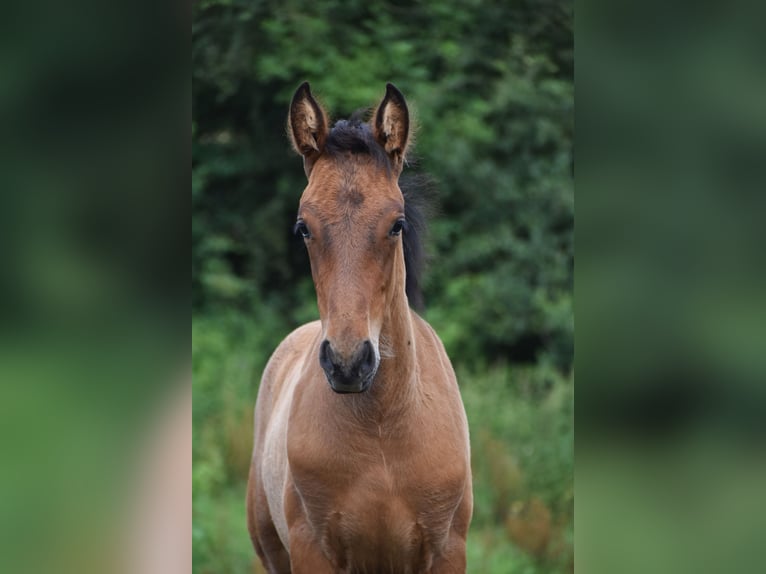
point(375, 533)
point(374, 512)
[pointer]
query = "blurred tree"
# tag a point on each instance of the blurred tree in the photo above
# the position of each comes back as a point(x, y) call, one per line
point(491, 84)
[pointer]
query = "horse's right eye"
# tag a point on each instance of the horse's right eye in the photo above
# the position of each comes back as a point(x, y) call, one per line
point(302, 230)
point(397, 228)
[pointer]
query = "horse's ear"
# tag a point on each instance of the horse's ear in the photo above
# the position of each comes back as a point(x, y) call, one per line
point(391, 125)
point(307, 125)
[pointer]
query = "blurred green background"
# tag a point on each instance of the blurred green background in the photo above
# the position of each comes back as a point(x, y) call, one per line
point(491, 87)
point(93, 306)
point(671, 339)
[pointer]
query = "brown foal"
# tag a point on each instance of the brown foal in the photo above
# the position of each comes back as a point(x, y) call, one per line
point(361, 460)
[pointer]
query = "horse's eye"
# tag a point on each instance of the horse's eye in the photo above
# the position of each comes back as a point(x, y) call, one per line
point(397, 228)
point(301, 229)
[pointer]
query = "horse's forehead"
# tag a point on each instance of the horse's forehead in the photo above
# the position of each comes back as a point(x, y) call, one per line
point(358, 185)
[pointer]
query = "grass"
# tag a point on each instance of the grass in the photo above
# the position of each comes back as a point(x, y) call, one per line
point(522, 455)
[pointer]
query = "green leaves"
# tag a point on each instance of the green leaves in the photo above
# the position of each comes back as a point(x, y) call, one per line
point(492, 88)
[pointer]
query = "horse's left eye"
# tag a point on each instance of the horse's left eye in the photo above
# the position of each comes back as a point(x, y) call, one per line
point(397, 228)
point(302, 230)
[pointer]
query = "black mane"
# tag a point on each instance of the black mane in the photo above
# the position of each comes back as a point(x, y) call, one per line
point(355, 136)
point(417, 191)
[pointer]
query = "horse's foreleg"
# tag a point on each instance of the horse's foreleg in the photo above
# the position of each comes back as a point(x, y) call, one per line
point(452, 560)
point(306, 557)
point(264, 536)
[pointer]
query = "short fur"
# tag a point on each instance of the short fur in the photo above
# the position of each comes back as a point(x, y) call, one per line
point(355, 136)
point(377, 479)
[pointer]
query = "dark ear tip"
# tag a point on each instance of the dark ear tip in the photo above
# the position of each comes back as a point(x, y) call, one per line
point(303, 90)
point(393, 92)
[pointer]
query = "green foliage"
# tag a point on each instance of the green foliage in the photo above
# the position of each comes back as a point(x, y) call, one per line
point(491, 87)
point(221, 544)
point(521, 421)
point(522, 429)
point(491, 553)
point(229, 353)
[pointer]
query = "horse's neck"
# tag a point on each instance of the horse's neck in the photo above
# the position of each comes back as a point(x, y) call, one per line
point(398, 345)
point(395, 385)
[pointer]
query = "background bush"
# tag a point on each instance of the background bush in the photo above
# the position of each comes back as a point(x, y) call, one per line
point(491, 86)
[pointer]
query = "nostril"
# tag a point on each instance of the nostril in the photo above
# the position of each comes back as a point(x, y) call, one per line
point(326, 357)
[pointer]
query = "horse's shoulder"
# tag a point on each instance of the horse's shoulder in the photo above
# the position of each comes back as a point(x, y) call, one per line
point(428, 335)
point(290, 350)
point(433, 354)
point(424, 329)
